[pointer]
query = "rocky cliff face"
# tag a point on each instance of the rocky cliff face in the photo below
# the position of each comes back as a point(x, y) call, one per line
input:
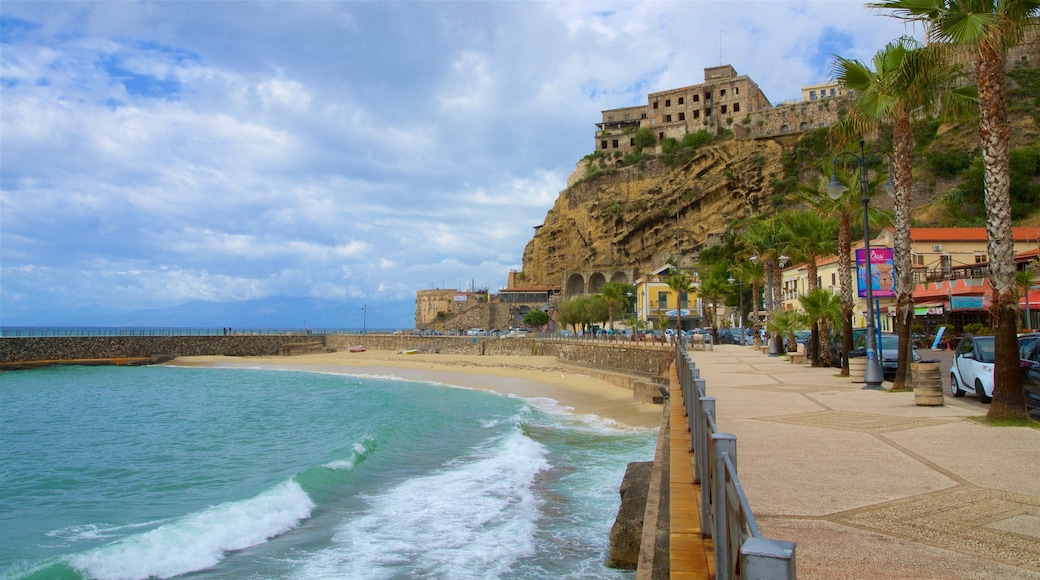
point(626, 218)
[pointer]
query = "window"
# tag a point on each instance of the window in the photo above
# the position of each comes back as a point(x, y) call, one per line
point(819, 107)
point(736, 90)
point(834, 276)
point(736, 107)
point(723, 109)
point(917, 259)
point(832, 92)
point(667, 118)
point(980, 259)
point(696, 98)
point(603, 144)
point(660, 136)
point(668, 102)
point(632, 142)
point(722, 92)
point(682, 116)
point(707, 95)
point(662, 299)
point(812, 97)
point(680, 100)
point(696, 114)
point(655, 104)
point(615, 142)
point(610, 117)
point(684, 300)
point(707, 112)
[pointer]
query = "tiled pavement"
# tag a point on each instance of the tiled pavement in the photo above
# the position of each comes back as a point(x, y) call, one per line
point(867, 483)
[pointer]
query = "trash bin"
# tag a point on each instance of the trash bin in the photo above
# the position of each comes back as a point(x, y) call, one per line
point(927, 379)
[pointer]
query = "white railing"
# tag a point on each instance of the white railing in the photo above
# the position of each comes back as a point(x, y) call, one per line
point(726, 517)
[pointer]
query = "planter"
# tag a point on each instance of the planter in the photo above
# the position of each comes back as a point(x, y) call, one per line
point(927, 379)
point(858, 369)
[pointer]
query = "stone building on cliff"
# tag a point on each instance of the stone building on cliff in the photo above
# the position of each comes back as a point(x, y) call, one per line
point(724, 101)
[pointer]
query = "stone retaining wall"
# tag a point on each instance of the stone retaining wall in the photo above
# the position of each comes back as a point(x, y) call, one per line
point(633, 358)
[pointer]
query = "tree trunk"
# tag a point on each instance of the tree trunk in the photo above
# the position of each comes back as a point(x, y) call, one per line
point(904, 150)
point(994, 134)
point(845, 283)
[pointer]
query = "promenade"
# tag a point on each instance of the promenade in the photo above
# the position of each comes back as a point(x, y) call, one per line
point(870, 485)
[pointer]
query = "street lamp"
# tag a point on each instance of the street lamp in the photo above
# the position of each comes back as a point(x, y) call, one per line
point(740, 289)
point(873, 376)
point(364, 319)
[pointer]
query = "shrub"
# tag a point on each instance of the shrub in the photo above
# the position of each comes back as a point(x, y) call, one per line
point(947, 164)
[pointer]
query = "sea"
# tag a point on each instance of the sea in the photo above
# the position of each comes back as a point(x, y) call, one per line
point(187, 472)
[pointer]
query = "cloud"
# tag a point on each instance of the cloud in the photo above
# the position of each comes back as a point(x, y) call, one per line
point(154, 153)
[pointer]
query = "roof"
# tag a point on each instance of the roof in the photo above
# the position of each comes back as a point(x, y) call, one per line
point(1020, 234)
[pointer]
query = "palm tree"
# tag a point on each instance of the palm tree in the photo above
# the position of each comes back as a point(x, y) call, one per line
point(784, 322)
point(615, 295)
point(767, 239)
point(824, 309)
point(988, 28)
point(750, 273)
point(848, 210)
point(812, 237)
point(682, 283)
point(713, 287)
point(908, 80)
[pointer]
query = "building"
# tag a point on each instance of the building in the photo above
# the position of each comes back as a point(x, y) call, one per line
point(718, 102)
point(951, 269)
point(658, 304)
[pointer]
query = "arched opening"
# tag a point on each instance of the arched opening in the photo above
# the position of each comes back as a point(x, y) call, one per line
point(619, 278)
point(575, 285)
point(596, 281)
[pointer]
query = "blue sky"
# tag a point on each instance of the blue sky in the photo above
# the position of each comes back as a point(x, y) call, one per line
point(154, 154)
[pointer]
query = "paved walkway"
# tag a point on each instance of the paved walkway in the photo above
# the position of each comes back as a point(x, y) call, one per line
point(869, 484)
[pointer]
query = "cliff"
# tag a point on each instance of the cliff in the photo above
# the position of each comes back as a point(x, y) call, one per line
point(626, 217)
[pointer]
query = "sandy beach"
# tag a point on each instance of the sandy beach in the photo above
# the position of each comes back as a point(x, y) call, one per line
point(528, 377)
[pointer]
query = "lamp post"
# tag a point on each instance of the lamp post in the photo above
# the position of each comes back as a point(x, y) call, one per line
point(873, 376)
point(364, 319)
point(740, 317)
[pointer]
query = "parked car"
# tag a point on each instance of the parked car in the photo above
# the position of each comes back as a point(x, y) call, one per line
point(729, 336)
point(1029, 358)
point(836, 346)
point(972, 370)
point(889, 347)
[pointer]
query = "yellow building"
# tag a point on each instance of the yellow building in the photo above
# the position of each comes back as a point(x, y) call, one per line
point(658, 303)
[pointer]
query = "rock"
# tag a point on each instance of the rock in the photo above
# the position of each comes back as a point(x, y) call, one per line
point(626, 218)
point(627, 531)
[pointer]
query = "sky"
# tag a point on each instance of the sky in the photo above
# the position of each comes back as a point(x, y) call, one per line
point(154, 154)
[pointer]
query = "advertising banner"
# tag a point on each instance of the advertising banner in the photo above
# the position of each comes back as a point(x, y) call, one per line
point(882, 273)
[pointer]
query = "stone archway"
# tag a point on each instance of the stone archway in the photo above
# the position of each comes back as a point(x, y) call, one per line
point(596, 281)
point(575, 285)
point(619, 278)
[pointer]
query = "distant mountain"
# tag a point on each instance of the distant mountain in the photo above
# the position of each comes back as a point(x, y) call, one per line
point(276, 312)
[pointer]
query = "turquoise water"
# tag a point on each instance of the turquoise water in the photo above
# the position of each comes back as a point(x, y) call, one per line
point(159, 472)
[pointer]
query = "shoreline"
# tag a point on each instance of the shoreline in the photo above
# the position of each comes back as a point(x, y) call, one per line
point(527, 377)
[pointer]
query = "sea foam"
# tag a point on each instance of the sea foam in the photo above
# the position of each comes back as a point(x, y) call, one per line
point(200, 540)
point(474, 518)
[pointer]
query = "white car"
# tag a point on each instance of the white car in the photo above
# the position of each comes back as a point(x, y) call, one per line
point(972, 370)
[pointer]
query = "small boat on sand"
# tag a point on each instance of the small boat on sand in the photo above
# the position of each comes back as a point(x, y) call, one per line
point(358, 348)
point(409, 351)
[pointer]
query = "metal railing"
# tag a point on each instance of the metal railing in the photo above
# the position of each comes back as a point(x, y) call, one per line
point(726, 517)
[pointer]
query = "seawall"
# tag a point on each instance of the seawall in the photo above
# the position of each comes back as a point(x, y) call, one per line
point(641, 361)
